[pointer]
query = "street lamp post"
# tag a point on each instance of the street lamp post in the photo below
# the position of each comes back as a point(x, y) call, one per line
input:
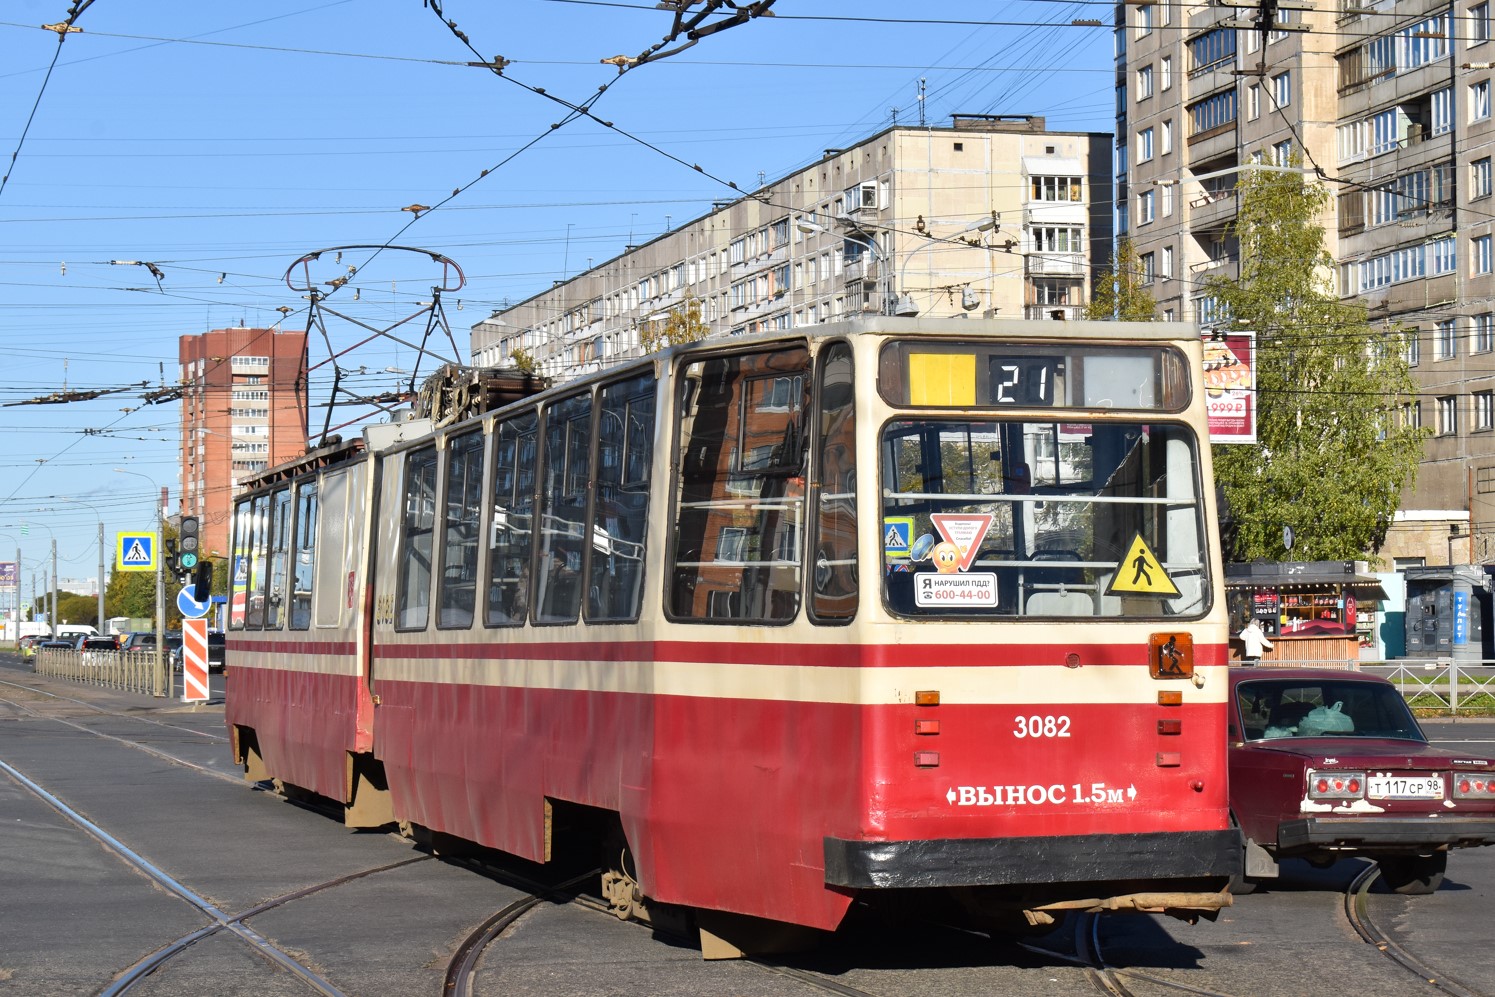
point(99, 517)
point(160, 556)
point(809, 228)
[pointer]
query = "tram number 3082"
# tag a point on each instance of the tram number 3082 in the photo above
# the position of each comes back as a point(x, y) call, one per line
point(1036, 726)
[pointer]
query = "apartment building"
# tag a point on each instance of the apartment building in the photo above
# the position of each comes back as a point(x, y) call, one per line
point(1389, 101)
point(988, 216)
point(243, 410)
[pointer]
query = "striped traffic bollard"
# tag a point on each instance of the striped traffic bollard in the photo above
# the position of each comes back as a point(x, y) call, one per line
point(194, 661)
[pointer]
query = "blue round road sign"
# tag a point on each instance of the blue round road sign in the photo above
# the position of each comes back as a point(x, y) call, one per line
point(187, 604)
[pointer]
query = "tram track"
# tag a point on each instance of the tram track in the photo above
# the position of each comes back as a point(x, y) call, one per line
point(1357, 911)
point(221, 921)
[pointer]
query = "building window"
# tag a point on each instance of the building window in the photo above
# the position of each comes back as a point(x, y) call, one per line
point(1479, 23)
point(1444, 259)
point(1167, 197)
point(1145, 207)
point(1483, 340)
point(1483, 410)
point(1211, 49)
point(1165, 263)
point(1479, 100)
point(1144, 21)
point(1442, 107)
point(1423, 42)
point(1057, 239)
point(1448, 415)
point(1144, 145)
point(1413, 352)
point(1282, 153)
point(1058, 188)
point(1149, 268)
point(1165, 138)
point(1479, 178)
point(1282, 89)
point(1445, 343)
point(1144, 83)
point(1212, 112)
point(1165, 73)
point(1479, 262)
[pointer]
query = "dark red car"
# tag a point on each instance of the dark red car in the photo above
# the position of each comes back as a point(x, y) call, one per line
point(1325, 765)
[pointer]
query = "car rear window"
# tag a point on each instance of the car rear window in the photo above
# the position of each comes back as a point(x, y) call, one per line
point(1277, 708)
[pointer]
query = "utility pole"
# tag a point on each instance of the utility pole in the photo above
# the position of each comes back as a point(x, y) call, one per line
point(162, 686)
point(52, 618)
point(102, 628)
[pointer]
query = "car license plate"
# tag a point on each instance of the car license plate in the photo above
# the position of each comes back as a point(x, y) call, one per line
point(1404, 787)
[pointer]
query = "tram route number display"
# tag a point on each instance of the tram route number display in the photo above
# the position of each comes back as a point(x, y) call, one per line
point(1019, 796)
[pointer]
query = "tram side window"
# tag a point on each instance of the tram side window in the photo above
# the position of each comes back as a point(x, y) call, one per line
point(259, 528)
point(833, 569)
point(413, 592)
point(457, 594)
point(332, 533)
point(739, 494)
point(563, 507)
point(511, 530)
point(625, 449)
point(280, 544)
point(305, 555)
point(239, 570)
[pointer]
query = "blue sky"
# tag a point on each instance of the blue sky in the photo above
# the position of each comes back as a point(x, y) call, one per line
point(222, 141)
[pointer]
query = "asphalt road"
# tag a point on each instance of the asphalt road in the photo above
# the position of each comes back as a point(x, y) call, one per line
point(157, 777)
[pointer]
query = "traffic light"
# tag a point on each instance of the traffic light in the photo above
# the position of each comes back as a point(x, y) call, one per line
point(202, 580)
point(186, 546)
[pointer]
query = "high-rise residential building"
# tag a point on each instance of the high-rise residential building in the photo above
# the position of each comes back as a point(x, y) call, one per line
point(991, 216)
point(243, 410)
point(1387, 102)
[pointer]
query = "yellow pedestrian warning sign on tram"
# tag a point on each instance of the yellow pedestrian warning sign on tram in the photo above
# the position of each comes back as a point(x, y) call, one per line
point(135, 552)
point(1141, 573)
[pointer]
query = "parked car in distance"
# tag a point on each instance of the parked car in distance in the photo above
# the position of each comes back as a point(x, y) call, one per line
point(47, 644)
point(146, 641)
point(217, 651)
point(97, 650)
point(1326, 765)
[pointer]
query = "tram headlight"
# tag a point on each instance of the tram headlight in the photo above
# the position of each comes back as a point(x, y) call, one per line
point(1335, 785)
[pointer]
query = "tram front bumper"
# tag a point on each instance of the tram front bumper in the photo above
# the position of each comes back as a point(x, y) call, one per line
point(1156, 857)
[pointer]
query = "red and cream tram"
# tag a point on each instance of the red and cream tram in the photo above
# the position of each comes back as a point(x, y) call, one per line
point(926, 612)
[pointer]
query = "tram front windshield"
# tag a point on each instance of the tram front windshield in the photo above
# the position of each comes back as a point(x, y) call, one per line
point(1007, 518)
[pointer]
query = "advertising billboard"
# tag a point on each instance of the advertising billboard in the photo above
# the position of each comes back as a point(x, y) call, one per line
point(1230, 386)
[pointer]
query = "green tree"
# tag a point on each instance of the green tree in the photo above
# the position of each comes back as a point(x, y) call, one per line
point(1120, 292)
point(523, 360)
point(683, 324)
point(1333, 452)
point(80, 609)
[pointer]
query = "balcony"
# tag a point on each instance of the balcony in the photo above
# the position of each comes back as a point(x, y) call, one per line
point(1060, 313)
point(1211, 209)
point(1055, 264)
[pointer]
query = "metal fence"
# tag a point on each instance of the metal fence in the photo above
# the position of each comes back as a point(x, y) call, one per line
point(1438, 684)
point(129, 671)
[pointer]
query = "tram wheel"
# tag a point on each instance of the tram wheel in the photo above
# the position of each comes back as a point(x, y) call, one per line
point(1413, 875)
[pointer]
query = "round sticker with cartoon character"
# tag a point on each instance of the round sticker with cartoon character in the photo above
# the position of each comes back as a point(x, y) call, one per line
point(946, 558)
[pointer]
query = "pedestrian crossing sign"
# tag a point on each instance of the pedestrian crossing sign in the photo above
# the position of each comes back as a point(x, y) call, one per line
point(135, 552)
point(1141, 573)
point(897, 537)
